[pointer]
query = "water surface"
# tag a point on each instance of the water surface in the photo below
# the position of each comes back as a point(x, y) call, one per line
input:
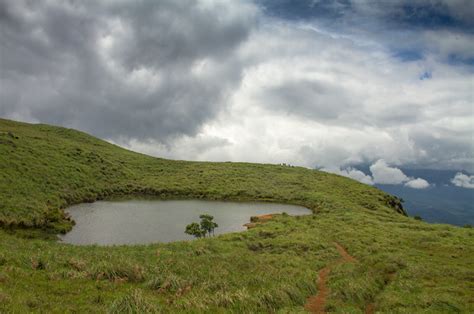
point(147, 221)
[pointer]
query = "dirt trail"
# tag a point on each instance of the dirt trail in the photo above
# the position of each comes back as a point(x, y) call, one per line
point(370, 308)
point(345, 256)
point(316, 303)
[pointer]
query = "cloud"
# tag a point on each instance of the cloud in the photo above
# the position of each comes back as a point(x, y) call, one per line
point(381, 174)
point(464, 181)
point(228, 80)
point(412, 28)
point(401, 13)
point(188, 148)
point(420, 13)
point(417, 183)
point(384, 174)
point(293, 106)
point(351, 173)
point(116, 69)
point(308, 98)
point(449, 43)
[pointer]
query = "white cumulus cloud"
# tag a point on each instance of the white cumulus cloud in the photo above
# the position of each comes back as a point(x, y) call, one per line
point(351, 173)
point(417, 183)
point(464, 181)
point(382, 173)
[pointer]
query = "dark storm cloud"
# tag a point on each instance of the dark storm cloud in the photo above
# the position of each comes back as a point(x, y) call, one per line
point(120, 70)
point(167, 37)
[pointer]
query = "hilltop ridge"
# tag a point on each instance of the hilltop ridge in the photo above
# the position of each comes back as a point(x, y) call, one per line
point(46, 168)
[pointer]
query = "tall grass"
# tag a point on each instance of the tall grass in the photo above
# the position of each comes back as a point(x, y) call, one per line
point(403, 265)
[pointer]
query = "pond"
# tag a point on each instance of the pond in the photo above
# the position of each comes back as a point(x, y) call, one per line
point(148, 221)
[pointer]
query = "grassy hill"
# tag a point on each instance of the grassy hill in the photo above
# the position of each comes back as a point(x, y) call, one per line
point(45, 168)
point(402, 265)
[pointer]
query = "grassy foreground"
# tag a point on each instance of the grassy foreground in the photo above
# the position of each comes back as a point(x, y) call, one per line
point(403, 265)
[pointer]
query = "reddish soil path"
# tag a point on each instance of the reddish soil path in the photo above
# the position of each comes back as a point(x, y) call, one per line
point(316, 303)
point(370, 308)
point(345, 256)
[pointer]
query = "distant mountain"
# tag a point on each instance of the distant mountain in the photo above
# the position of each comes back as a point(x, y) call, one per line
point(442, 202)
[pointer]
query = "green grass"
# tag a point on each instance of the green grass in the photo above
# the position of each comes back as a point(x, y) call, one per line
point(45, 168)
point(403, 265)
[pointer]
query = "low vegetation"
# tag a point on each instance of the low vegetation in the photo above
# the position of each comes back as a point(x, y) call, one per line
point(402, 265)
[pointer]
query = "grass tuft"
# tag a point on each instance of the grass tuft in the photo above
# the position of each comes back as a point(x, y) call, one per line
point(133, 303)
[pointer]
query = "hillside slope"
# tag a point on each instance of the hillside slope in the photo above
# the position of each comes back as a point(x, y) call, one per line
point(45, 168)
point(400, 265)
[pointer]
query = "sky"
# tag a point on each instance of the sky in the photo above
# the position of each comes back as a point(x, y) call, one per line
point(320, 84)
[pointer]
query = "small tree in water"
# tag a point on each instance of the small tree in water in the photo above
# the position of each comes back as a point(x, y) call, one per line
point(206, 226)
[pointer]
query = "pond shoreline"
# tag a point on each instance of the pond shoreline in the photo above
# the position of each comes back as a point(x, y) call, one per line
point(150, 220)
